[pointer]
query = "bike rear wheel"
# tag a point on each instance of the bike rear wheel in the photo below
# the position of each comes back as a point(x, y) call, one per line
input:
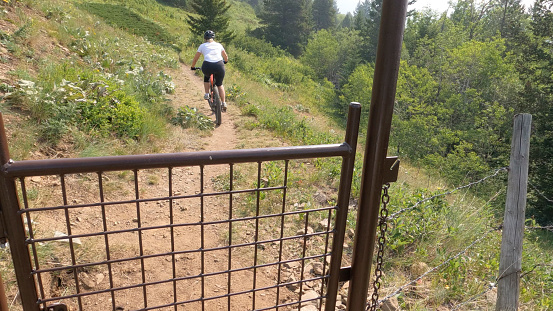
point(217, 103)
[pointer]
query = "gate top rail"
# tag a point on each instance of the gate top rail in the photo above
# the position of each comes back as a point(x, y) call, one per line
point(131, 162)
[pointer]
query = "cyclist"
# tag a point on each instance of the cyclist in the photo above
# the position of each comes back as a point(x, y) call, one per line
point(215, 59)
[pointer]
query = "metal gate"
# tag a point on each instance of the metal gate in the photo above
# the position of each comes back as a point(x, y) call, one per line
point(115, 246)
point(174, 264)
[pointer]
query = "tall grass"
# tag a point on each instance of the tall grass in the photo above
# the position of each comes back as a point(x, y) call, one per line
point(112, 84)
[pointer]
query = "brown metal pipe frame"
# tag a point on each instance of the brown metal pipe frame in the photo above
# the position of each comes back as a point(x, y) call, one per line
point(378, 133)
point(148, 161)
point(3, 297)
point(19, 250)
point(344, 194)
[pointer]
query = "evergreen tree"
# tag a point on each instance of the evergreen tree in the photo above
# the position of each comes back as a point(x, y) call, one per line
point(511, 16)
point(347, 22)
point(175, 3)
point(253, 3)
point(286, 24)
point(324, 14)
point(367, 22)
point(211, 16)
point(536, 71)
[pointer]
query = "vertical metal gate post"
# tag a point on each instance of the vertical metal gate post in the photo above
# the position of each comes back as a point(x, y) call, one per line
point(344, 193)
point(378, 133)
point(10, 209)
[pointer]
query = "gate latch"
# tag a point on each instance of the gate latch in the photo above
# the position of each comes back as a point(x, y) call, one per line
point(390, 169)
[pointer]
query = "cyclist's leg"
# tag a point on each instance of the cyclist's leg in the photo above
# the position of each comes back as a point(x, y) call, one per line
point(222, 93)
point(207, 70)
point(219, 77)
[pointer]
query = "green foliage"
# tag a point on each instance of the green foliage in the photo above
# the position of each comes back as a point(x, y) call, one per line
point(359, 89)
point(234, 92)
point(122, 17)
point(26, 96)
point(243, 17)
point(461, 164)
point(81, 99)
point(189, 117)
point(116, 113)
point(460, 119)
point(176, 3)
point(534, 64)
point(250, 110)
point(278, 72)
point(324, 14)
point(331, 55)
point(23, 33)
point(100, 107)
point(367, 22)
point(285, 23)
point(211, 15)
point(347, 22)
point(284, 71)
point(258, 47)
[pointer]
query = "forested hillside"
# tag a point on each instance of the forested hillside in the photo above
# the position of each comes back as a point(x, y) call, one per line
point(95, 77)
point(465, 73)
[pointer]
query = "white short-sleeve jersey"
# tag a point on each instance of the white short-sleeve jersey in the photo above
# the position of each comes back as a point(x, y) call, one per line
point(212, 51)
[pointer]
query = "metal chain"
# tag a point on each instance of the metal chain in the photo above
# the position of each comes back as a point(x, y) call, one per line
point(383, 227)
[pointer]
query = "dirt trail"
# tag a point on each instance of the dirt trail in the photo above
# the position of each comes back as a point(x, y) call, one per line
point(185, 266)
point(189, 91)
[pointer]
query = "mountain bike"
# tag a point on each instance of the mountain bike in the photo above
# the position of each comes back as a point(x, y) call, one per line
point(214, 100)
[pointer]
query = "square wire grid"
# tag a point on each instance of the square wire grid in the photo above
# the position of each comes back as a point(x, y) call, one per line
point(235, 237)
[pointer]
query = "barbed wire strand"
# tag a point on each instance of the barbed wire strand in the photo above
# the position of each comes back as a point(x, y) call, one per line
point(494, 285)
point(401, 288)
point(548, 228)
point(534, 268)
point(394, 215)
point(489, 288)
point(539, 192)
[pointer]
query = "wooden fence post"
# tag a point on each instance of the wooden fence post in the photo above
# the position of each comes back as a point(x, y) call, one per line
point(508, 284)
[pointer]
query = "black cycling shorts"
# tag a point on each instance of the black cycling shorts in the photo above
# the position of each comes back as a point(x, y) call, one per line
point(215, 69)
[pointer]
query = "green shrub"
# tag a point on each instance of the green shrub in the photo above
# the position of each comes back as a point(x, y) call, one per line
point(115, 113)
point(250, 110)
point(189, 117)
point(258, 47)
point(234, 92)
point(460, 165)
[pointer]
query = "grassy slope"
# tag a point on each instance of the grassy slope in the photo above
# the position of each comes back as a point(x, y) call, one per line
point(428, 235)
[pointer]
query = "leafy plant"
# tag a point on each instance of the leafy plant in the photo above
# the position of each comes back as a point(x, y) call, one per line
point(234, 92)
point(188, 117)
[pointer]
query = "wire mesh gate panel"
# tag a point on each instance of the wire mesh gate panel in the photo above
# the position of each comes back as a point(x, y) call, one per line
point(226, 230)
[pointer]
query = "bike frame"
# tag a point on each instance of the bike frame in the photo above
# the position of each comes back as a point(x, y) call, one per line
point(214, 100)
